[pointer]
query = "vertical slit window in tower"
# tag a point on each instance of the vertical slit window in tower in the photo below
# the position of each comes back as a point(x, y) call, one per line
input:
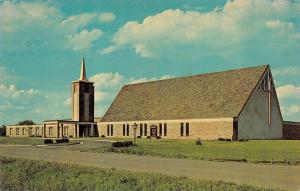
point(112, 130)
point(145, 128)
point(160, 129)
point(181, 129)
point(107, 130)
point(123, 129)
point(165, 129)
point(187, 129)
point(127, 129)
point(17, 131)
point(141, 129)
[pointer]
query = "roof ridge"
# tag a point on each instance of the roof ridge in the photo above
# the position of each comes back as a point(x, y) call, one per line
point(196, 75)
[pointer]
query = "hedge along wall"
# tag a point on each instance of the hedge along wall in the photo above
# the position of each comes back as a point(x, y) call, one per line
point(291, 130)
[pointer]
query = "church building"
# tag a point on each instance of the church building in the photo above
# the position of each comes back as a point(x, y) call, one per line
point(235, 104)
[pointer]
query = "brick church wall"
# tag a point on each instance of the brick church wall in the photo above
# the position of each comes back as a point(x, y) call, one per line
point(291, 130)
point(205, 129)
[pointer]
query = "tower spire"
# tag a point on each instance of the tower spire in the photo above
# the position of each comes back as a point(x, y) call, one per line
point(82, 71)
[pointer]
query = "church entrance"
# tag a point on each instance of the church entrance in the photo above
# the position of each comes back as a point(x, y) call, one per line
point(153, 131)
point(84, 130)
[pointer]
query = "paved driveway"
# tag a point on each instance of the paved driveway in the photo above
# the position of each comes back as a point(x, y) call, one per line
point(276, 176)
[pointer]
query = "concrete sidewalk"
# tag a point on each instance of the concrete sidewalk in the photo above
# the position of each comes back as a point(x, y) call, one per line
point(274, 176)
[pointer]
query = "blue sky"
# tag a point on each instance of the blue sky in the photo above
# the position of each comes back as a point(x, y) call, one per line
point(42, 42)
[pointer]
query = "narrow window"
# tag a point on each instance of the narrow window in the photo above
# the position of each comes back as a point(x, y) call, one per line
point(10, 131)
point(160, 129)
point(17, 131)
point(111, 130)
point(181, 129)
point(127, 129)
point(123, 129)
point(37, 130)
point(145, 128)
point(107, 130)
point(165, 129)
point(50, 130)
point(141, 129)
point(187, 129)
point(66, 130)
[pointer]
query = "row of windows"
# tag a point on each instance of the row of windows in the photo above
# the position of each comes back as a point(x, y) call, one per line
point(162, 130)
point(185, 126)
point(37, 131)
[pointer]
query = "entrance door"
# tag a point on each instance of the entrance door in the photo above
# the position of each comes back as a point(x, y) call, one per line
point(153, 131)
point(81, 130)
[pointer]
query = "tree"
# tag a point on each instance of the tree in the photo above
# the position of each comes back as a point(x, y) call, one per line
point(26, 122)
point(3, 130)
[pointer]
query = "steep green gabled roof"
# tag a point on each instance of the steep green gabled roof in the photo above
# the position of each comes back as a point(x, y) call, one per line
point(212, 95)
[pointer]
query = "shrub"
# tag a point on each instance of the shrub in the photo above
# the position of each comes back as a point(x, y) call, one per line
point(103, 136)
point(117, 144)
point(128, 143)
point(242, 140)
point(122, 144)
point(65, 140)
point(227, 139)
point(48, 141)
point(158, 137)
point(59, 141)
point(71, 136)
point(139, 137)
point(221, 139)
point(148, 137)
point(198, 142)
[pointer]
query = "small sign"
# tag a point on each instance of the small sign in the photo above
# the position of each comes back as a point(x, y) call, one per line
point(153, 131)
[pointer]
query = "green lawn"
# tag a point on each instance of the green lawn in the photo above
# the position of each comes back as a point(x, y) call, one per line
point(20, 174)
point(20, 141)
point(271, 151)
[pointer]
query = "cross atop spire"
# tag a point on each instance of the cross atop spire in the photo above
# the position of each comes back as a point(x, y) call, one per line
point(82, 71)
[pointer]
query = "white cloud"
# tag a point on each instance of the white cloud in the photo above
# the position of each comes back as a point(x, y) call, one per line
point(76, 21)
point(68, 101)
point(104, 80)
point(107, 17)
point(288, 91)
point(140, 80)
point(237, 25)
point(84, 39)
point(17, 15)
point(109, 50)
point(34, 25)
point(287, 71)
point(292, 111)
point(274, 24)
point(10, 91)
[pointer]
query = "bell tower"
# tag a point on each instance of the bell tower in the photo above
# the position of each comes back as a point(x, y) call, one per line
point(83, 97)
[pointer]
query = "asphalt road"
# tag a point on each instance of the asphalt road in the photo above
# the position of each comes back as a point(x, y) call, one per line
point(274, 176)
